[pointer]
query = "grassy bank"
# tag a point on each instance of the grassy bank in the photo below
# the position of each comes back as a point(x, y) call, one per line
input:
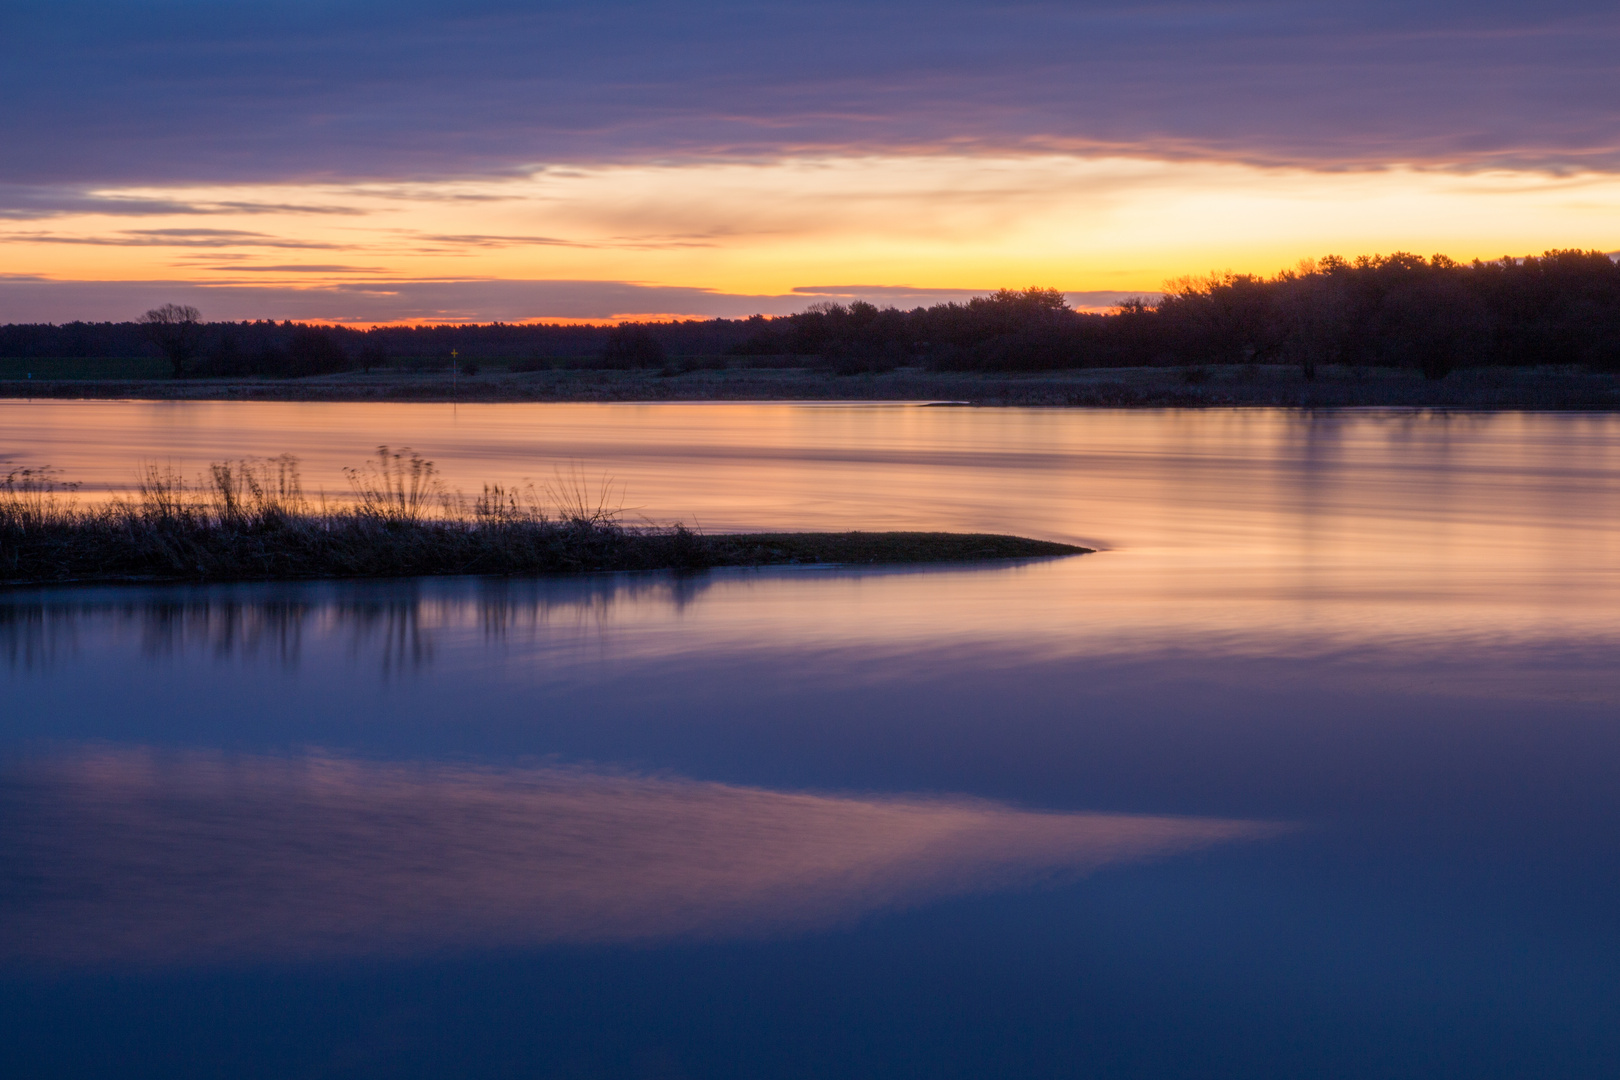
point(250, 521)
point(1334, 386)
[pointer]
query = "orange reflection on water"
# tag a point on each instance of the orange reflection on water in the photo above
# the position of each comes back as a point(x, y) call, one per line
point(1254, 530)
point(133, 855)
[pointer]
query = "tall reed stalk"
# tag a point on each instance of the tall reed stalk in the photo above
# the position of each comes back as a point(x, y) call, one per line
point(397, 485)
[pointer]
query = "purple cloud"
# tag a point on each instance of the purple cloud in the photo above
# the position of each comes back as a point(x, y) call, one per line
point(101, 92)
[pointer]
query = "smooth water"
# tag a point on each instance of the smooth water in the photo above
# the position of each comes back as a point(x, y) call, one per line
point(1312, 770)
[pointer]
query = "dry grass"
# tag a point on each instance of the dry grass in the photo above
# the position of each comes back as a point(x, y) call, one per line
point(250, 520)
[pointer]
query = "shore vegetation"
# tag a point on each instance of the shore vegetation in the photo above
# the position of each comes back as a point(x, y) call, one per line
point(251, 520)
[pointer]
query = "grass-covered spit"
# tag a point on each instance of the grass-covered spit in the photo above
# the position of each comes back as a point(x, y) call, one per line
point(250, 520)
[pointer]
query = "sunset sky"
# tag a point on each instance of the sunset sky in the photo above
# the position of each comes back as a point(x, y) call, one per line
point(368, 162)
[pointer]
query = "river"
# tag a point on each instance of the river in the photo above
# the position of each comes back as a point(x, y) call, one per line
point(1309, 770)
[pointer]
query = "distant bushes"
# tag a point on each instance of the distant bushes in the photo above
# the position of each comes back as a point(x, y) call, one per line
point(1401, 310)
point(1430, 315)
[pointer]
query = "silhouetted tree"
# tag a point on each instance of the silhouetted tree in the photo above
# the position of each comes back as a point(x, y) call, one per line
point(174, 329)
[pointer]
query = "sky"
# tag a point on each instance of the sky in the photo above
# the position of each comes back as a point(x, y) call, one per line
point(419, 161)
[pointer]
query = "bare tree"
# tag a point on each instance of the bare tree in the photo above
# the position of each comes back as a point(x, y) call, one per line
point(175, 329)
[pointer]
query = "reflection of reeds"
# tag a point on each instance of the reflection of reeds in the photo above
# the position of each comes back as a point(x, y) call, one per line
point(388, 624)
point(32, 636)
point(224, 626)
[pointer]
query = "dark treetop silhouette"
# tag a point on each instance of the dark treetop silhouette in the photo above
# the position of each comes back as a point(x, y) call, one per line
point(1401, 310)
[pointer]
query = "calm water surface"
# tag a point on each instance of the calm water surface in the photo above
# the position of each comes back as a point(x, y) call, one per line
point(1311, 770)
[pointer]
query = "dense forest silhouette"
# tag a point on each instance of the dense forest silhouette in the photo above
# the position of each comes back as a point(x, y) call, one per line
point(1402, 310)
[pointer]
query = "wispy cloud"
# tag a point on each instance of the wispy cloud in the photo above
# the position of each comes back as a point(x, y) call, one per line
point(630, 243)
point(36, 202)
point(489, 241)
point(300, 268)
point(181, 238)
point(274, 208)
point(198, 234)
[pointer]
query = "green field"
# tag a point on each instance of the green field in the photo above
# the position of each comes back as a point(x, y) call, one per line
point(98, 367)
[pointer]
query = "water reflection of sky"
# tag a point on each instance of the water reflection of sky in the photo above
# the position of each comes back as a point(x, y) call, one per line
point(993, 811)
point(135, 855)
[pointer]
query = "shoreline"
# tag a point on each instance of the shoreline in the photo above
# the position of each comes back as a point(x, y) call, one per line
point(1201, 387)
point(398, 550)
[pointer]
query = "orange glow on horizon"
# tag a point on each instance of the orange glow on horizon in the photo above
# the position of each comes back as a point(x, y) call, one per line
point(763, 230)
point(605, 320)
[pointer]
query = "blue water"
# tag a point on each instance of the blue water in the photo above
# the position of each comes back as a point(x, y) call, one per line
point(1310, 771)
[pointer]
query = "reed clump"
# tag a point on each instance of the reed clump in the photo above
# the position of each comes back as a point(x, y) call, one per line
point(250, 519)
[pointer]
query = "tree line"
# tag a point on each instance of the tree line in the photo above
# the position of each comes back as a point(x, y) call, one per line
point(1400, 310)
point(1433, 315)
point(195, 348)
